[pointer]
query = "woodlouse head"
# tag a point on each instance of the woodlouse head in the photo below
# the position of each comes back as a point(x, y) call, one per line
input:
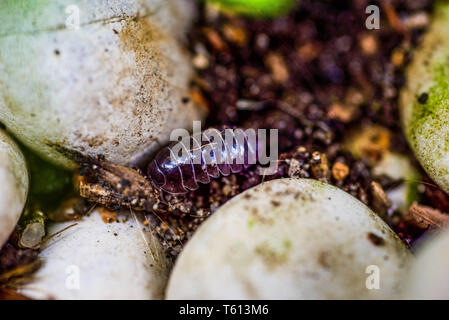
point(164, 173)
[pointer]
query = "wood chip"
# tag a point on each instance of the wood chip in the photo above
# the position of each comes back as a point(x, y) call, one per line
point(107, 216)
point(369, 44)
point(200, 61)
point(427, 217)
point(380, 201)
point(397, 57)
point(234, 34)
point(214, 39)
point(199, 99)
point(340, 171)
point(342, 112)
point(276, 64)
point(309, 51)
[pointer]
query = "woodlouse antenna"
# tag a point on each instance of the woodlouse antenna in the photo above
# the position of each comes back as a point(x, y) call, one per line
point(51, 236)
point(204, 161)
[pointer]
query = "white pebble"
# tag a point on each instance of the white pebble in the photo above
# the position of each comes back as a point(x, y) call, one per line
point(97, 260)
point(13, 185)
point(429, 277)
point(290, 239)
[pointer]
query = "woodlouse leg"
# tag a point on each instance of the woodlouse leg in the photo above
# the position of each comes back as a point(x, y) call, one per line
point(235, 152)
point(209, 152)
point(199, 164)
point(223, 159)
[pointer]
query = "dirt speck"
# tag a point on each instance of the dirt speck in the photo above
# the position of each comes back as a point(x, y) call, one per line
point(375, 239)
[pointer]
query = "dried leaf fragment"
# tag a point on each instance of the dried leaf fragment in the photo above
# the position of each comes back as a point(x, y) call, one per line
point(428, 217)
point(115, 186)
point(214, 39)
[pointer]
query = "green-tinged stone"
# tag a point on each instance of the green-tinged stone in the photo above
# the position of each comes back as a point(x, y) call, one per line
point(424, 101)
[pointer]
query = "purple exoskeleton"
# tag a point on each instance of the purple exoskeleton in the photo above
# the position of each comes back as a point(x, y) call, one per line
point(179, 167)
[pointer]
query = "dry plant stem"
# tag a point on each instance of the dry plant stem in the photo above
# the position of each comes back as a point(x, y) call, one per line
point(428, 217)
point(51, 236)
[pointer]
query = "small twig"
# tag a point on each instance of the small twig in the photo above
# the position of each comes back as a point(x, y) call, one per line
point(393, 17)
point(51, 236)
point(113, 185)
point(428, 217)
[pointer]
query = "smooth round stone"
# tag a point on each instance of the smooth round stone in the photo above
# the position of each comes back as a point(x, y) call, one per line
point(290, 239)
point(115, 86)
point(13, 186)
point(429, 278)
point(97, 260)
point(424, 101)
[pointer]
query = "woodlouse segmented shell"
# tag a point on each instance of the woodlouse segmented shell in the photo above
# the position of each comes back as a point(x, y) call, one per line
point(202, 161)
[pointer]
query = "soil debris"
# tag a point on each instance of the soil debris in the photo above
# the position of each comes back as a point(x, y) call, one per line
point(427, 217)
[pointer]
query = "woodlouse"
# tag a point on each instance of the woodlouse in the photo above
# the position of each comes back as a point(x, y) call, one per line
point(179, 167)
